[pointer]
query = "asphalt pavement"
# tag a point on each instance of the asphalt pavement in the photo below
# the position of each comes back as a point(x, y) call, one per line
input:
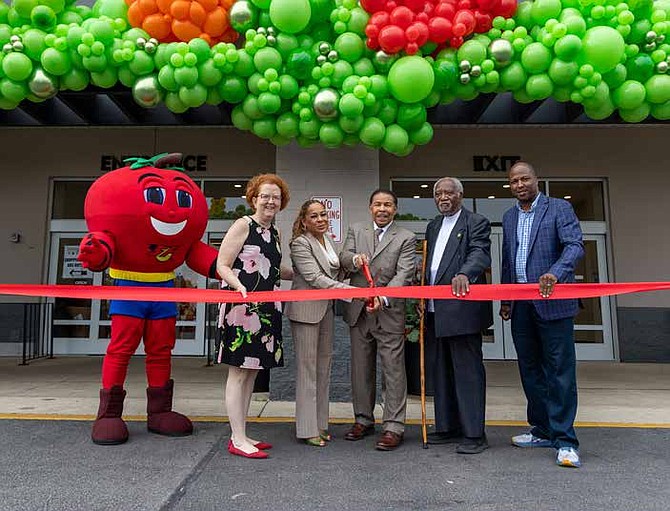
point(52, 465)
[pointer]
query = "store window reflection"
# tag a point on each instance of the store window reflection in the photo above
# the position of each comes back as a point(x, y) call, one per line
point(68, 199)
point(586, 197)
point(225, 199)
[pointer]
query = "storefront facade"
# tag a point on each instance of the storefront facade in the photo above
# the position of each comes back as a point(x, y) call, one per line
point(613, 175)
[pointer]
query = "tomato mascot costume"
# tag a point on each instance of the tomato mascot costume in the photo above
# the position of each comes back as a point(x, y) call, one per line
point(144, 221)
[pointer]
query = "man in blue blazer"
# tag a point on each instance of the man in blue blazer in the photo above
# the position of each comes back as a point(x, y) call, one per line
point(542, 242)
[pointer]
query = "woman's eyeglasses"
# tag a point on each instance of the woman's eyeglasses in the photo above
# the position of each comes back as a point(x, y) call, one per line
point(266, 197)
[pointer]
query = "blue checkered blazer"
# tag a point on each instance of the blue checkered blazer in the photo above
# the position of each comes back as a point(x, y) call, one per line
point(555, 247)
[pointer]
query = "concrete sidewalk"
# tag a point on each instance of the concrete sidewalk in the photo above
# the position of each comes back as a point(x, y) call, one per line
point(610, 394)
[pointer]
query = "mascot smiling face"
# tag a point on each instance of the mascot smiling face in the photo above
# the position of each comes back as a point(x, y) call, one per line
point(154, 214)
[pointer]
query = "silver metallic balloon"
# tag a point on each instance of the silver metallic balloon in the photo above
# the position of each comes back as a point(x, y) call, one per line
point(141, 42)
point(325, 104)
point(662, 67)
point(321, 59)
point(42, 84)
point(14, 39)
point(501, 50)
point(147, 92)
point(383, 61)
point(262, 31)
point(465, 78)
point(651, 36)
point(17, 46)
point(650, 46)
point(465, 66)
point(243, 15)
point(271, 31)
point(333, 56)
point(476, 71)
point(324, 48)
point(150, 47)
point(7, 48)
point(272, 40)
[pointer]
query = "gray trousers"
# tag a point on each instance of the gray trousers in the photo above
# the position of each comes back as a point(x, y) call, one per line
point(313, 354)
point(367, 340)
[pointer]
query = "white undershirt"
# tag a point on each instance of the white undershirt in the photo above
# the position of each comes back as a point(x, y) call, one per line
point(448, 223)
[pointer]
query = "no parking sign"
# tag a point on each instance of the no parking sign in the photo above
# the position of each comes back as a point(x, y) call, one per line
point(333, 207)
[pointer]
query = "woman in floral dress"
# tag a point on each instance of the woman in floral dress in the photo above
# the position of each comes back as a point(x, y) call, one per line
point(250, 333)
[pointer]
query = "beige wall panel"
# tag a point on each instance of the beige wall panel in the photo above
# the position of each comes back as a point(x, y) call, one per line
point(633, 159)
point(230, 152)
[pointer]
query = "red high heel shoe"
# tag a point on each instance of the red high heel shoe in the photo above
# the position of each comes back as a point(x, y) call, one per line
point(239, 452)
point(263, 446)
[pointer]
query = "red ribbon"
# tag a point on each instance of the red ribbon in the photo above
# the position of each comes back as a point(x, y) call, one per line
point(371, 282)
point(477, 292)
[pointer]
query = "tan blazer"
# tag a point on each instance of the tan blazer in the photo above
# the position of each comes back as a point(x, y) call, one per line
point(311, 270)
point(392, 264)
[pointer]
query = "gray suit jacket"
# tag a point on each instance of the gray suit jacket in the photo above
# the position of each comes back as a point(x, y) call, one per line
point(468, 251)
point(393, 264)
point(310, 271)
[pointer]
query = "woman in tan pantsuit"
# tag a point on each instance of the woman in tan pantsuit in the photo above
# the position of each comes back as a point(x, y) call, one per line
point(315, 266)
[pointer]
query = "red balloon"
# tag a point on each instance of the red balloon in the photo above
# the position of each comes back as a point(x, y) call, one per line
point(464, 5)
point(483, 22)
point(467, 19)
point(491, 6)
point(373, 6)
point(444, 10)
point(380, 19)
point(392, 39)
point(456, 42)
point(424, 33)
point(411, 48)
point(507, 8)
point(439, 29)
point(402, 17)
point(415, 5)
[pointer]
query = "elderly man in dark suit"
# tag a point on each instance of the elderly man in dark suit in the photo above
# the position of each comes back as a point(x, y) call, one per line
point(542, 242)
point(459, 251)
point(390, 252)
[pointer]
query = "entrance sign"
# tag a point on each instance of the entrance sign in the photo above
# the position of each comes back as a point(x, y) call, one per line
point(72, 268)
point(333, 207)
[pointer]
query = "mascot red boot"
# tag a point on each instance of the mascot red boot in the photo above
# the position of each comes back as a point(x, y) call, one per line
point(144, 221)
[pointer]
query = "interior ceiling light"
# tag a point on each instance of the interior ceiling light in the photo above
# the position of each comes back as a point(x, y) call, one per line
point(424, 186)
point(417, 196)
point(505, 186)
point(492, 196)
point(237, 186)
point(566, 197)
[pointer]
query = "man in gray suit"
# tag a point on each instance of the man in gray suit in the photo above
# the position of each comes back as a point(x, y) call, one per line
point(390, 252)
point(459, 251)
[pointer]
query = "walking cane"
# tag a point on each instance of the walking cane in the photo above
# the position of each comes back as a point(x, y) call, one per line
point(422, 311)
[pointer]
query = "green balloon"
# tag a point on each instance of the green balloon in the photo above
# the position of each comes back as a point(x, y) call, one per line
point(110, 8)
point(299, 64)
point(536, 58)
point(661, 112)
point(13, 91)
point(523, 14)
point(209, 74)
point(395, 139)
point(278, 140)
point(373, 131)
point(269, 103)
point(55, 62)
point(568, 47)
point(126, 77)
point(286, 43)
point(350, 105)
point(240, 120)
point(17, 66)
point(244, 65)
point(473, 51)
point(264, 128)
point(251, 108)
point(411, 117)
point(599, 111)
point(74, 79)
point(287, 125)
point(640, 67)
point(422, 135)
point(638, 114)
point(233, 89)
point(321, 10)
point(24, 7)
point(411, 79)
point(262, 4)
point(186, 76)
point(513, 77)
point(350, 47)
point(267, 58)
point(563, 73)
point(341, 71)
point(310, 129)
point(539, 86)
point(603, 48)
point(574, 23)
point(33, 43)
point(166, 79)
point(658, 89)
point(351, 124)
point(616, 76)
point(106, 79)
point(629, 95)
point(543, 10)
point(289, 87)
point(200, 48)
point(364, 67)
point(290, 16)
point(388, 111)
point(193, 97)
point(331, 135)
point(358, 21)
point(252, 83)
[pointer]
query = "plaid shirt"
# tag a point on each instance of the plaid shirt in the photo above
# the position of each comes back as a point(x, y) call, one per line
point(523, 228)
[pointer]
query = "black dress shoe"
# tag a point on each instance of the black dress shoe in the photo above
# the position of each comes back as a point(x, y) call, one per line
point(472, 445)
point(444, 437)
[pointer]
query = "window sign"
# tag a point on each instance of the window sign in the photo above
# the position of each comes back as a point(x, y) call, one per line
point(72, 268)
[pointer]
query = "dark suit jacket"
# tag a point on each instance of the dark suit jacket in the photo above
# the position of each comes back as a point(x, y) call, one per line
point(555, 247)
point(468, 251)
point(393, 263)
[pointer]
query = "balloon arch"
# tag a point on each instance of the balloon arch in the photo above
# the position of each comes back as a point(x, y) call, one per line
point(342, 71)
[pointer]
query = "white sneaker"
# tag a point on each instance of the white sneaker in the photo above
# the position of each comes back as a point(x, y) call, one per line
point(568, 457)
point(530, 440)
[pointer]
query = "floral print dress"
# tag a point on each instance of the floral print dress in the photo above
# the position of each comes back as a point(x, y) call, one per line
point(249, 334)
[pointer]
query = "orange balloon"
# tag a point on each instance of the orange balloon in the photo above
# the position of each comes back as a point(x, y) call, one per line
point(226, 4)
point(147, 7)
point(185, 30)
point(163, 5)
point(180, 9)
point(156, 26)
point(206, 38)
point(230, 36)
point(135, 16)
point(216, 23)
point(198, 14)
point(208, 5)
